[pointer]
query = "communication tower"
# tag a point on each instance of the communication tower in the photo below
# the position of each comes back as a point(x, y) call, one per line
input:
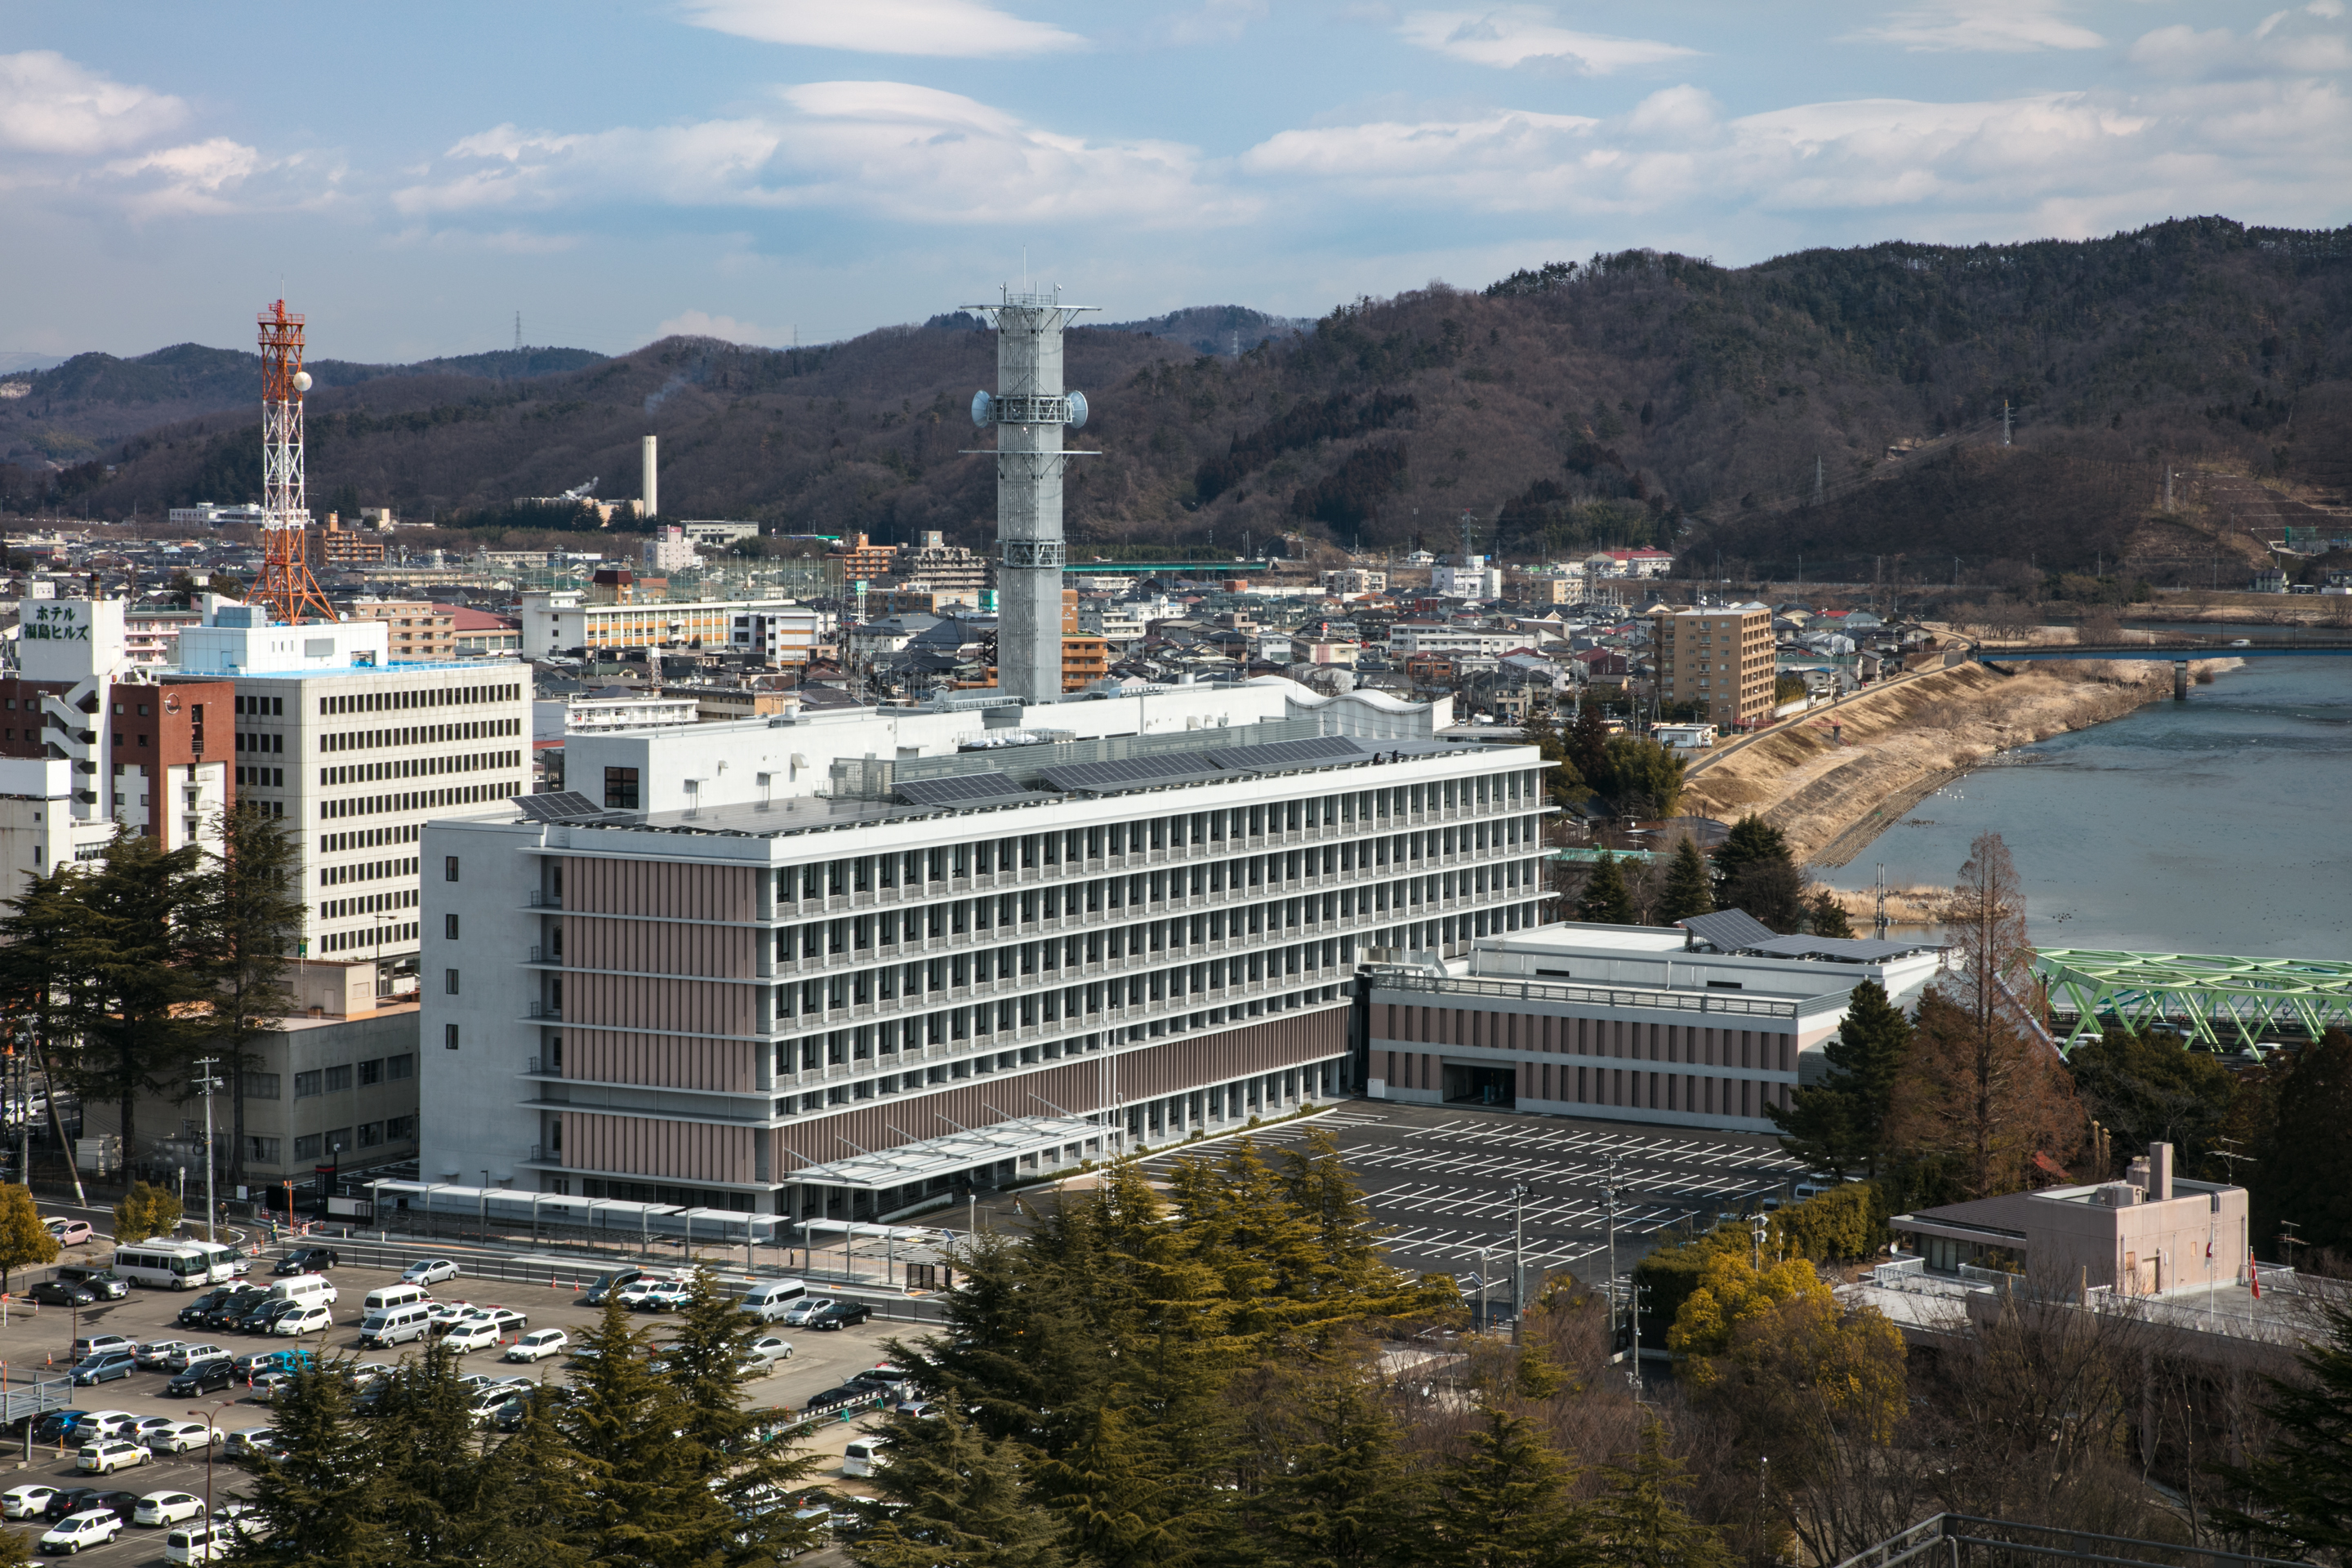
point(1029, 411)
point(286, 588)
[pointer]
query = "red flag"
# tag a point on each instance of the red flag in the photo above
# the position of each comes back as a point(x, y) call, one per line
point(2254, 1273)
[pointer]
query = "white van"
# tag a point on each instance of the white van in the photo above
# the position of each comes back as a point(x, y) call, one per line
point(768, 1298)
point(386, 1297)
point(862, 1457)
point(311, 1289)
point(387, 1326)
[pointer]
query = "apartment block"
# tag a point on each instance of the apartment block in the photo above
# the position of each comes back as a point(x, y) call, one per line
point(420, 631)
point(565, 621)
point(1720, 658)
point(840, 964)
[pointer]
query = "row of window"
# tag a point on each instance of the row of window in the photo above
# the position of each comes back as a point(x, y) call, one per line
point(417, 768)
point(256, 741)
point(369, 904)
point(417, 697)
point(370, 837)
point(349, 940)
point(260, 707)
point(419, 735)
point(262, 778)
point(366, 872)
point(262, 1150)
point(418, 800)
point(1366, 811)
point(335, 1080)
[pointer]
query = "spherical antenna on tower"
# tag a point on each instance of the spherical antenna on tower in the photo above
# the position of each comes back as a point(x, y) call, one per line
point(301, 381)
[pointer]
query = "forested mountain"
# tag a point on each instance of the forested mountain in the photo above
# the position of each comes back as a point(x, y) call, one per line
point(1750, 412)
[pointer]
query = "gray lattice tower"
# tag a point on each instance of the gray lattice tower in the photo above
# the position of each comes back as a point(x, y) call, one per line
point(1029, 411)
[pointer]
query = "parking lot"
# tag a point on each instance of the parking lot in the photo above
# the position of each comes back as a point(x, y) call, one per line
point(1439, 1180)
point(37, 1345)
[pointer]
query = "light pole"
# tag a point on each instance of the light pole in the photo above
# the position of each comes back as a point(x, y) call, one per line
point(486, 1208)
point(1483, 1254)
point(1609, 1204)
point(1518, 1257)
point(208, 1083)
point(210, 1435)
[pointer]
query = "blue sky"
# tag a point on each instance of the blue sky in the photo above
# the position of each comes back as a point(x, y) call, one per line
point(757, 168)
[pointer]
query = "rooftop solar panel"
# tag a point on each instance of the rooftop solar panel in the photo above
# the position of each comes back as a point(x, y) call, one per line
point(1730, 931)
point(1131, 773)
point(958, 789)
point(1289, 753)
point(558, 806)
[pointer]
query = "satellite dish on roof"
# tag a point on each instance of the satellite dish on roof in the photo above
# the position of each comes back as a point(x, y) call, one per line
point(982, 407)
point(1078, 410)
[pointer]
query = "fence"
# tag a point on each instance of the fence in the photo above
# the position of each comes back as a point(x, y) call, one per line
point(1961, 1541)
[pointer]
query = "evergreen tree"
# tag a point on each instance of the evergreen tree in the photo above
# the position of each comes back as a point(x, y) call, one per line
point(2298, 1493)
point(1503, 1503)
point(530, 1503)
point(1120, 1502)
point(645, 1503)
point(320, 1503)
point(951, 1498)
point(1840, 1123)
point(1645, 778)
point(1640, 1524)
point(1687, 891)
point(1604, 900)
point(1751, 860)
point(703, 1362)
point(136, 991)
point(1564, 783)
point(429, 1449)
point(2306, 1175)
point(250, 917)
point(1586, 746)
point(1339, 1492)
point(1826, 916)
point(41, 939)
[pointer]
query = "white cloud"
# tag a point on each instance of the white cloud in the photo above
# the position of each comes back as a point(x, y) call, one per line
point(199, 177)
point(1515, 36)
point(2001, 26)
point(909, 152)
point(962, 29)
point(702, 324)
point(49, 104)
point(2298, 49)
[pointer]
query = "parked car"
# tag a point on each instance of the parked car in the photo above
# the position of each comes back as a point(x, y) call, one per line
point(72, 1501)
point(840, 1315)
point(55, 1426)
point(469, 1336)
point(770, 1347)
point(100, 1345)
point(306, 1260)
point(303, 1321)
point(604, 1285)
point(243, 1314)
point(539, 1344)
point(105, 1458)
point(62, 1293)
point(661, 1295)
point(506, 1319)
point(234, 1304)
point(204, 1377)
point(108, 1285)
point(143, 1433)
point(264, 1319)
point(429, 1271)
point(191, 1355)
point(69, 1232)
point(97, 1424)
point(267, 1385)
point(168, 1508)
point(25, 1502)
point(182, 1435)
point(155, 1355)
point(94, 1527)
point(801, 1310)
point(285, 1360)
point(105, 1368)
point(250, 1440)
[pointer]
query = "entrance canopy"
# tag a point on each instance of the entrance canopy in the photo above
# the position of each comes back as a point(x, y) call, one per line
point(508, 1206)
point(1065, 1139)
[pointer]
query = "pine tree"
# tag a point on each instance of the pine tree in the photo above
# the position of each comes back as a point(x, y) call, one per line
point(703, 1359)
point(1120, 1502)
point(645, 1501)
point(1588, 749)
point(321, 1502)
point(1639, 1523)
point(1688, 888)
point(1826, 916)
point(1755, 872)
point(1338, 1493)
point(135, 988)
point(1840, 1123)
point(1604, 900)
point(530, 1504)
point(41, 939)
point(2306, 1175)
point(1564, 783)
point(429, 1448)
point(950, 1497)
point(1503, 1503)
point(2298, 1493)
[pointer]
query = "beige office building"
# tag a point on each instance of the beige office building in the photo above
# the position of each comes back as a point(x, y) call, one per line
point(1719, 657)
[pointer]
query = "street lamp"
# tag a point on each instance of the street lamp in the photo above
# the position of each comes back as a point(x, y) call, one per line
point(1519, 1256)
point(211, 1434)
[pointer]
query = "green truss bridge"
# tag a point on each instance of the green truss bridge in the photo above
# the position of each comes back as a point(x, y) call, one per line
point(2218, 1002)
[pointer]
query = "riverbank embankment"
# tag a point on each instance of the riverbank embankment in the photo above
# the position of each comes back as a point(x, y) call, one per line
point(1831, 792)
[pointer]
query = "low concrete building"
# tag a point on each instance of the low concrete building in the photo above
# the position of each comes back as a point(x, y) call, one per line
point(2152, 1234)
point(1705, 1024)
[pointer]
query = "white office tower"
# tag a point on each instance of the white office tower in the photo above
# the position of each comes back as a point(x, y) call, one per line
point(649, 481)
point(1029, 410)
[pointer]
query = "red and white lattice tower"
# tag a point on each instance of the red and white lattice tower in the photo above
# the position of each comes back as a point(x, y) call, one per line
point(287, 586)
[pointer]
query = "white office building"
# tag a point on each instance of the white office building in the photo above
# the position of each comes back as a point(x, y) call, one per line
point(840, 964)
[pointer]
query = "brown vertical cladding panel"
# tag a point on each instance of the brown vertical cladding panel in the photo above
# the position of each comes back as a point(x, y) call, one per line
point(687, 1150)
point(659, 1006)
point(660, 887)
point(660, 948)
point(663, 1061)
point(1076, 1087)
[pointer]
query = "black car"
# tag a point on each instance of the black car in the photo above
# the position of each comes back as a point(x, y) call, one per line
point(62, 1293)
point(198, 1313)
point(71, 1500)
point(840, 1398)
point(124, 1505)
point(262, 1318)
point(839, 1315)
point(202, 1378)
point(306, 1260)
point(604, 1285)
point(242, 1315)
point(113, 1287)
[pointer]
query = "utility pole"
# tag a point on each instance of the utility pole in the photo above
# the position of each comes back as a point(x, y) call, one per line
point(1817, 478)
point(1519, 1256)
point(1484, 1255)
point(1609, 1204)
point(1881, 921)
point(208, 1083)
point(2004, 421)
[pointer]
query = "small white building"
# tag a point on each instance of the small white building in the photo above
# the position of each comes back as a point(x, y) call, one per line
point(1685, 737)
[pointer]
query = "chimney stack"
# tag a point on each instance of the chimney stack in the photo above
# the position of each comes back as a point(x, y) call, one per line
point(2160, 1172)
point(649, 487)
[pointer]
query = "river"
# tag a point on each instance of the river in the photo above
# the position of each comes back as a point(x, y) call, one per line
point(2219, 824)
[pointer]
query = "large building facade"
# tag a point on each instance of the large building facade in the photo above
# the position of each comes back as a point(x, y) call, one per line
point(1719, 658)
point(954, 964)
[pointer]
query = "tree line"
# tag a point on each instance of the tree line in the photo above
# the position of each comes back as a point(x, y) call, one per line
point(122, 972)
